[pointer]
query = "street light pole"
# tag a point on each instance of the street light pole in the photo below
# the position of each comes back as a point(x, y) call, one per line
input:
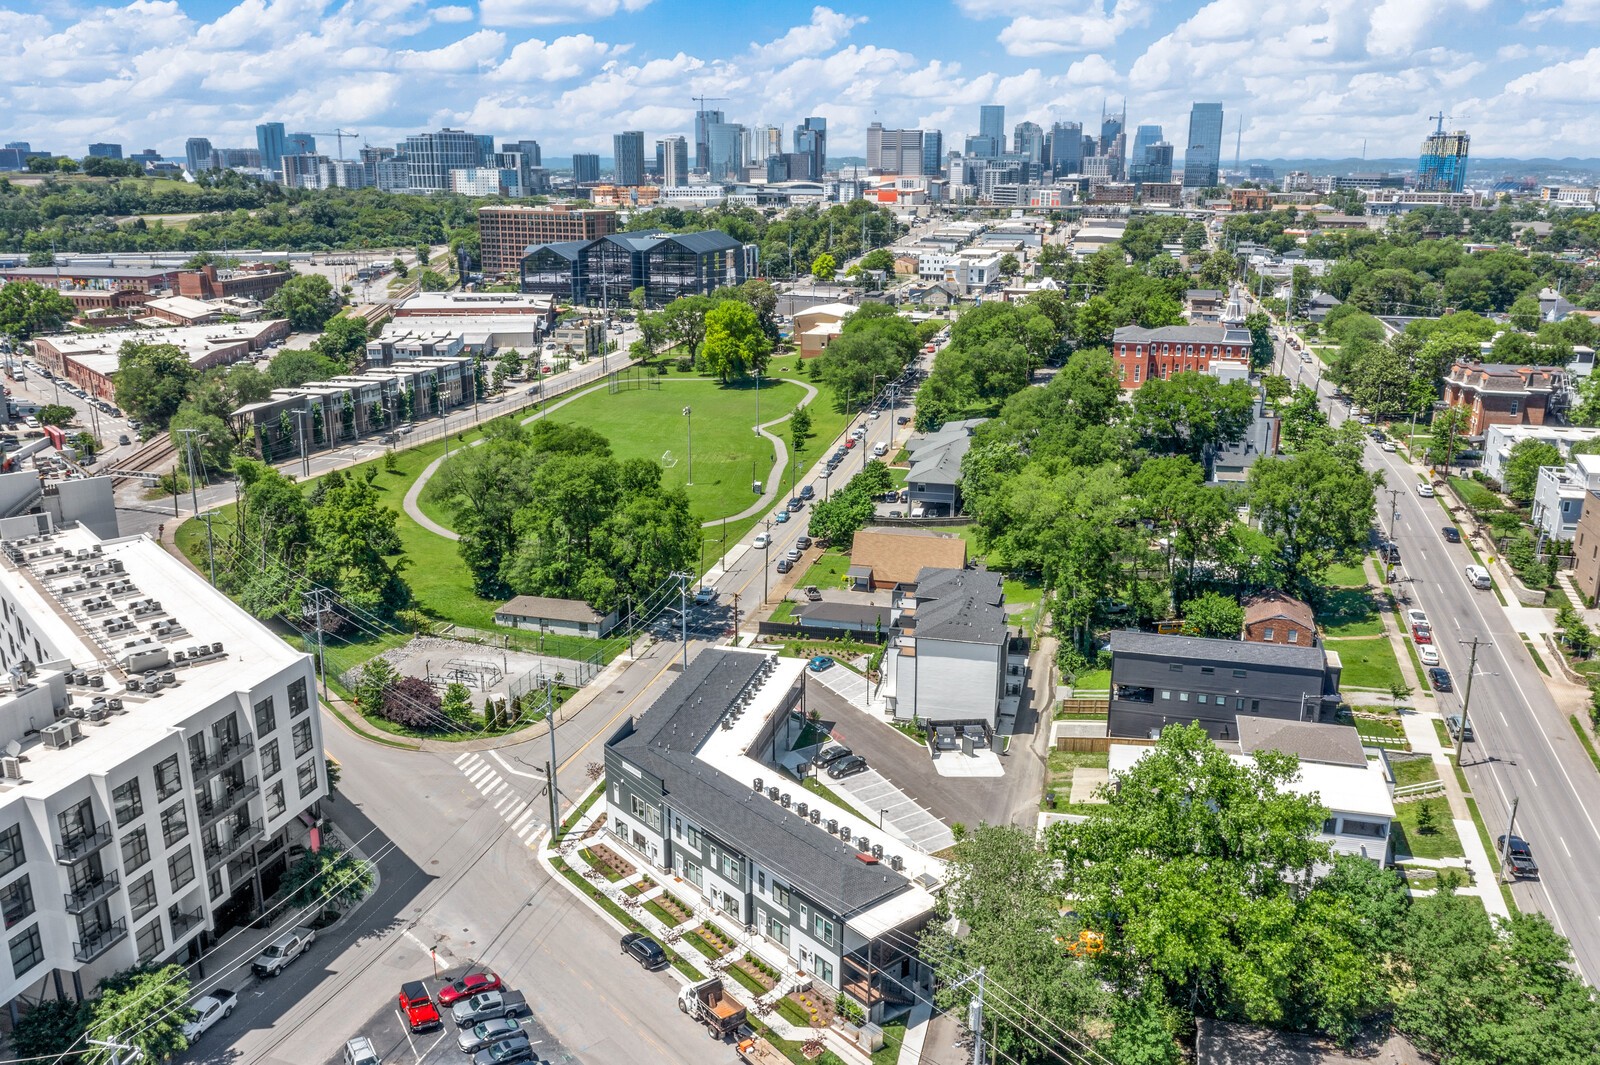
point(764, 567)
point(1466, 701)
point(688, 414)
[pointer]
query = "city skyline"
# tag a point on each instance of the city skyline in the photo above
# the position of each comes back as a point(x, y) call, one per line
point(1322, 80)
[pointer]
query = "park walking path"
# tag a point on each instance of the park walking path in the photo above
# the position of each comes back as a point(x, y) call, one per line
point(773, 483)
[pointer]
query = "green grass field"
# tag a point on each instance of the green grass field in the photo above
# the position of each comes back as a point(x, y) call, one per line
point(1350, 612)
point(1410, 841)
point(1347, 577)
point(1367, 663)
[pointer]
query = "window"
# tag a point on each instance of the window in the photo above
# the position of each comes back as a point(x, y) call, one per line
point(824, 969)
point(270, 761)
point(168, 779)
point(1166, 694)
point(180, 869)
point(761, 880)
point(275, 802)
point(1183, 697)
point(214, 885)
point(302, 737)
point(695, 839)
point(1175, 667)
point(1200, 697)
point(1238, 672)
point(16, 901)
point(298, 702)
point(1206, 671)
point(27, 951)
point(135, 849)
point(127, 802)
point(730, 868)
point(142, 895)
point(693, 874)
point(777, 930)
point(1516, 406)
point(1266, 634)
point(1352, 827)
point(266, 716)
point(780, 894)
point(1294, 635)
point(824, 929)
point(11, 854)
point(307, 774)
point(174, 823)
point(150, 941)
point(1255, 706)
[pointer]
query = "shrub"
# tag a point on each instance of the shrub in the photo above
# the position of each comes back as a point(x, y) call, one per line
point(412, 702)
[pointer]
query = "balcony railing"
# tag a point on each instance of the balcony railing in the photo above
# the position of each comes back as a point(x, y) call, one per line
point(225, 755)
point(182, 921)
point(97, 941)
point(218, 851)
point(91, 893)
point(215, 809)
point(82, 843)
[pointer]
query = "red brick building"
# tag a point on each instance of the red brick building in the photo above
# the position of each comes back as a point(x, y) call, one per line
point(1496, 394)
point(1275, 617)
point(1141, 354)
point(256, 281)
point(506, 231)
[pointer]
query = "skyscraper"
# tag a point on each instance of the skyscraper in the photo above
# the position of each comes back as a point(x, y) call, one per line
point(811, 138)
point(585, 168)
point(1443, 164)
point(1028, 140)
point(270, 142)
point(1152, 157)
point(674, 161)
point(704, 120)
point(529, 150)
point(725, 143)
point(300, 144)
point(1064, 149)
point(1204, 150)
point(992, 122)
point(431, 156)
point(627, 152)
point(932, 152)
point(894, 151)
point(105, 151)
point(197, 154)
point(762, 143)
point(1142, 140)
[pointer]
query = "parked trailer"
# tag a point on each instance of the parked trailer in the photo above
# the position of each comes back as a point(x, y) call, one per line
point(757, 1051)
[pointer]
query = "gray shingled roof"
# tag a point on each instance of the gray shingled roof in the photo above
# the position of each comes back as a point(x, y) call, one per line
point(802, 855)
point(1222, 652)
point(960, 605)
point(936, 457)
point(1311, 742)
point(1180, 334)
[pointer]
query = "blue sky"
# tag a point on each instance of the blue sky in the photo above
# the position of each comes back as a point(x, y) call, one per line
point(1311, 78)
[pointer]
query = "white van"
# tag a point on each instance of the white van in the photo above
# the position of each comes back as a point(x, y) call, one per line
point(1479, 577)
point(880, 449)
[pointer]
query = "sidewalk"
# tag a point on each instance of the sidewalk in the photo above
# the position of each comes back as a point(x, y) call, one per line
point(791, 980)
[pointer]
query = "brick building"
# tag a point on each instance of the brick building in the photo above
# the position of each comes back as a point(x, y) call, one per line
point(1274, 617)
point(1141, 354)
point(1586, 549)
point(1497, 394)
point(253, 281)
point(506, 231)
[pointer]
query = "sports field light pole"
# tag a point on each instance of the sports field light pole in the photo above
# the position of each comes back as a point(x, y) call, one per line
point(688, 414)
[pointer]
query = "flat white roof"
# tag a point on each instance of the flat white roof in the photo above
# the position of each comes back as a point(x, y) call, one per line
point(251, 653)
point(459, 302)
point(1343, 789)
point(101, 351)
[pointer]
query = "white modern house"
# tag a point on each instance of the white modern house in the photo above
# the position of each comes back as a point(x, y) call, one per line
point(162, 751)
point(1498, 440)
point(1559, 494)
point(1334, 767)
point(948, 661)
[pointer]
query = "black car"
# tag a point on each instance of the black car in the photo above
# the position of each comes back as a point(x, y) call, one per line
point(645, 951)
point(487, 1033)
point(517, 1048)
point(832, 755)
point(1389, 552)
point(1519, 855)
point(806, 491)
point(784, 565)
point(847, 767)
point(795, 505)
point(1439, 678)
point(1452, 535)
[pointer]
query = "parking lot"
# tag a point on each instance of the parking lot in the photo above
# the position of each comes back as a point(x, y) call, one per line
point(396, 1045)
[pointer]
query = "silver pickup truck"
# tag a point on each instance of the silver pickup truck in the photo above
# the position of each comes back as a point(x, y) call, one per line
point(283, 950)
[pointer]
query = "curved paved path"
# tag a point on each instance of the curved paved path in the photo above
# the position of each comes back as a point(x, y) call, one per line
point(774, 479)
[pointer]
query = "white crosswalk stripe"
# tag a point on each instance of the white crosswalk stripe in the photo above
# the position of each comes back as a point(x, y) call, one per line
point(522, 813)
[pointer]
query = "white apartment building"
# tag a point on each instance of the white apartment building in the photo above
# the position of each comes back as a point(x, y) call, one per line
point(1498, 440)
point(162, 750)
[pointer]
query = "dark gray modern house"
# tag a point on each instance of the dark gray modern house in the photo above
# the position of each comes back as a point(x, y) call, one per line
point(665, 265)
point(839, 907)
point(1162, 680)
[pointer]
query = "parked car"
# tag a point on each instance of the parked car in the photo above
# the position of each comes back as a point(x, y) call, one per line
point(793, 554)
point(847, 767)
point(1424, 489)
point(417, 1007)
point(785, 565)
point(1452, 725)
point(880, 449)
point(123, 441)
point(208, 1010)
point(1421, 634)
point(1429, 655)
point(902, 420)
point(360, 1051)
point(795, 504)
point(283, 950)
point(1518, 855)
point(1387, 445)
point(488, 1006)
point(1415, 616)
point(704, 596)
point(812, 593)
point(486, 1034)
point(645, 951)
point(830, 755)
point(803, 542)
point(761, 541)
point(850, 443)
point(469, 985)
point(1440, 679)
point(1389, 552)
point(806, 491)
point(820, 663)
point(517, 1048)
point(781, 517)
point(1452, 535)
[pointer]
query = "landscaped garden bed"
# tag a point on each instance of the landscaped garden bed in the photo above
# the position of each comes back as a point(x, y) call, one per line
point(671, 911)
point(613, 865)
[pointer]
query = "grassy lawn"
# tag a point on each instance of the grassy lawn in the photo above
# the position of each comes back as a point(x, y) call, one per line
point(1350, 612)
point(784, 614)
point(1474, 494)
point(828, 570)
point(1059, 777)
point(1411, 841)
point(1341, 576)
point(750, 983)
point(816, 787)
point(1096, 680)
point(1417, 770)
point(1368, 663)
point(1024, 592)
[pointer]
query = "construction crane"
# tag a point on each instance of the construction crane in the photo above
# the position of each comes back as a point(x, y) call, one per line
point(1439, 120)
point(701, 100)
point(339, 135)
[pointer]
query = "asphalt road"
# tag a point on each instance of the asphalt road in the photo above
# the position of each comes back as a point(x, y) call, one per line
point(1523, 747)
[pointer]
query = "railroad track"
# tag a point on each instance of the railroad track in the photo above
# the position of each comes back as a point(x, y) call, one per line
point(149, 462)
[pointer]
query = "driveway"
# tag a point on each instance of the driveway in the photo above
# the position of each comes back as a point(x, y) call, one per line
point(850, 686)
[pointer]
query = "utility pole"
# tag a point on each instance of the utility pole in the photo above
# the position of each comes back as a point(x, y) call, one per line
point(1511, 828)
point(736, 617)
point(974, 1014)
point(188, 466)
point(116, 1057)
point(683, 614)
point(305, 461)
point(1472, 671)
point(211, 550)
point(764, 567)
point(688, 415)
point(318, 604)
point(550, 727)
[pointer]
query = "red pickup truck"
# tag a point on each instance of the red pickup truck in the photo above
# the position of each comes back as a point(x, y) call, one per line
point(417, 1007)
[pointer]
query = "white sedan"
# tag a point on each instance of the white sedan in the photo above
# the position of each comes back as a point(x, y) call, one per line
point(208, 1010)
point(1424, 489)
point(1428, 654)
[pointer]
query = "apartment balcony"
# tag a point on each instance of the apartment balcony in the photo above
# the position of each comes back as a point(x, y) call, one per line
point(97, 941)
point(227, 754)
point(213, 810)
point(184, 922)
point(91, 893)
point(80, 844)
point(219, 851)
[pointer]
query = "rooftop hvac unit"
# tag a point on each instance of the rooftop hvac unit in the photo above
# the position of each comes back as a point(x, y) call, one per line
point(97, 681)
point(757, 784)
point(833, 825)
point(772, 793)
point(877, 850)
point(896, 863)
point(784, 800)
point(114, 704)
point(11, 768)
point(97, 713)
point(134, 684)
point(216, 647)
point(816, 816)
point(61, 734)
point(861, 844)
point(801, 808)
point(846, 832)
point(168, 677)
